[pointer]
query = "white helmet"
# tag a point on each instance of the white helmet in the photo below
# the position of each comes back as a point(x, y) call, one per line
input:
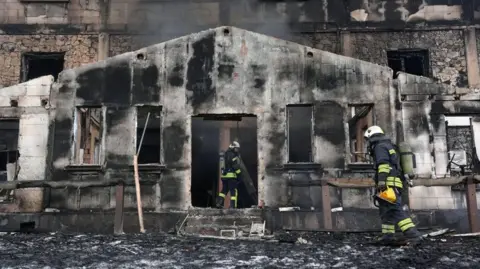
point(373, 130)
point(235, 144)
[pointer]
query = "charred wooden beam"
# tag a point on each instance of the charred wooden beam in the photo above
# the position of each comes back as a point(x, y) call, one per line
point(368, 182)
point(119, 206)
point(472, 207)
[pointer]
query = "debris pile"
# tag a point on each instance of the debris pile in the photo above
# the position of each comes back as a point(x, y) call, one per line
point(304, 250)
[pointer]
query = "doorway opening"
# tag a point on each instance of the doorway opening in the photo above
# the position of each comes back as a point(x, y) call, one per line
point(211, 135)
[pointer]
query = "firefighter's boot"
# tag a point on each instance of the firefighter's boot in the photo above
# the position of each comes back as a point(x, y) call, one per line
point(413, 236)
point(386, 239)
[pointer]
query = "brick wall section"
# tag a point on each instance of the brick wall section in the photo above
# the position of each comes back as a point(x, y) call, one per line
point(79, 49)
point(447, 51)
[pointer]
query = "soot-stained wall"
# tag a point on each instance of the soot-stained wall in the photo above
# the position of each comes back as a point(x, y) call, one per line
point(223, 70)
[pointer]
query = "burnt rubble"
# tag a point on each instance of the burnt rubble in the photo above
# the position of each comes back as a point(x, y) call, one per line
point(323, 250)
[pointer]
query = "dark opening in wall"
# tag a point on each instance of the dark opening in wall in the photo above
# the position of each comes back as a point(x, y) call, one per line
point(9, 131)
point(411, 61)
point(211, 135)
point(151, 143)
point(300, 130)
point(88, 135)
point(37, 64)
point(360, 118)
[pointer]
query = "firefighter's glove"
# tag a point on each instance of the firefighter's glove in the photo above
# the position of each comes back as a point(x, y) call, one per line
point(381, 185)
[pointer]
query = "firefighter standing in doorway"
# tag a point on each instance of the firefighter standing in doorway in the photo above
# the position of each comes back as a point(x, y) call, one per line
point(231, 176)
point(389, 187)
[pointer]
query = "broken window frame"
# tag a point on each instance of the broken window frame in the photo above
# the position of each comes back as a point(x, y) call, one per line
point(28, 56)
point(6, 195)
point(368, 119)
point(401, 54)
point(469, 155)
point(150, 108)
point(96, 154)
point(287, 113)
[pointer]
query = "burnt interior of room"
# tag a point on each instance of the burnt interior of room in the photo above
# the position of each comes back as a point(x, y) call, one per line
point(459, 144)
point(300, 131)
point(211, 135)
point(38, 64)
point(360, 118)
point(9, 131)
point(411, 61)
point(149, 126)
point(88, 135)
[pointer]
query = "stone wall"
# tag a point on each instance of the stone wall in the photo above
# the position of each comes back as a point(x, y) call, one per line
point(33, 115)
point(79, 49)
point(447, 50)
point(120, 44)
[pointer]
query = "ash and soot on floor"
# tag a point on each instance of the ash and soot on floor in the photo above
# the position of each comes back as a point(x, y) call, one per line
point(293, 250)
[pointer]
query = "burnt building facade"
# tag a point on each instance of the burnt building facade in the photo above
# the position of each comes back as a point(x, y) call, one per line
point(298, 109)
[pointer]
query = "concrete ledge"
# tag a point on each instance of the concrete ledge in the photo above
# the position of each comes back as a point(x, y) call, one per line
point(354, 220)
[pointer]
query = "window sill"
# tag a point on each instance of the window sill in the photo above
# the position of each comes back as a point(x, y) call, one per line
point(84, 168)
point(302, 166)
point(150, 167)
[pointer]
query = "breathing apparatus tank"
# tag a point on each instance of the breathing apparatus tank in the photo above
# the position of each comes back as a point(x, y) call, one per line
point(407, 159)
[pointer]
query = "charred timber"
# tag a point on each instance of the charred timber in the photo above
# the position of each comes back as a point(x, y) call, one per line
point(12, 185)
point(368, 182)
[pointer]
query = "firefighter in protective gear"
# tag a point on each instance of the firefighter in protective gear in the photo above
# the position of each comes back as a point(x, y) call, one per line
point(389, 187)
point(231, 176)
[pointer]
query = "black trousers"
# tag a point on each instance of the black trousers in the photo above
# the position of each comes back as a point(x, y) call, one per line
point(230, 185)
point(393, 215)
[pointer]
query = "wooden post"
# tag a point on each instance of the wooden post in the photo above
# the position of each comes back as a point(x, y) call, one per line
point(224, 142)
point(326, 206)
point(139, 197)
point(119, 206)
point(472, 205)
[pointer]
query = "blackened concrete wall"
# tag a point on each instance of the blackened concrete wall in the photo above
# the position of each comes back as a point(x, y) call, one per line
point(219, 72)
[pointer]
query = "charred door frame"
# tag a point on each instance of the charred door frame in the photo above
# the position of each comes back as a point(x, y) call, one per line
point(223, 117)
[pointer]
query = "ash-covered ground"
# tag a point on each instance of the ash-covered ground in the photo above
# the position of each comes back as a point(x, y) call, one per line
point(323, 250)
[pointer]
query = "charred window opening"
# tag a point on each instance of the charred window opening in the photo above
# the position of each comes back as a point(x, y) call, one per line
point(415, 62)
point(88, 135)
point(151, 143)
point(9, 131)
point(360, 118)
point(459, 144)
point(37, 64)
point(299, 133)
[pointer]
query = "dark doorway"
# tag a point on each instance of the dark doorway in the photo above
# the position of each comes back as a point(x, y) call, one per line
point(37, 64)
point(415, 62)
point(211, 134)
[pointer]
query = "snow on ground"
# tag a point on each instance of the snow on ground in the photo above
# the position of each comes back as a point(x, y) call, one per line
point(167, 251)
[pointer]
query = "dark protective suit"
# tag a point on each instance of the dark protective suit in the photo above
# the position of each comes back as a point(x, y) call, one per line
point(388, 170)
point(231, 176)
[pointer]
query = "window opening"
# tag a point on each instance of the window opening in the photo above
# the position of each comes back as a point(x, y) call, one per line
point(415, 62)
point(9, 131)
point(360, 118)
point(459, 144)
point(38, 64)
point(88, 135)
point(299, 133)
point(151, 144)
